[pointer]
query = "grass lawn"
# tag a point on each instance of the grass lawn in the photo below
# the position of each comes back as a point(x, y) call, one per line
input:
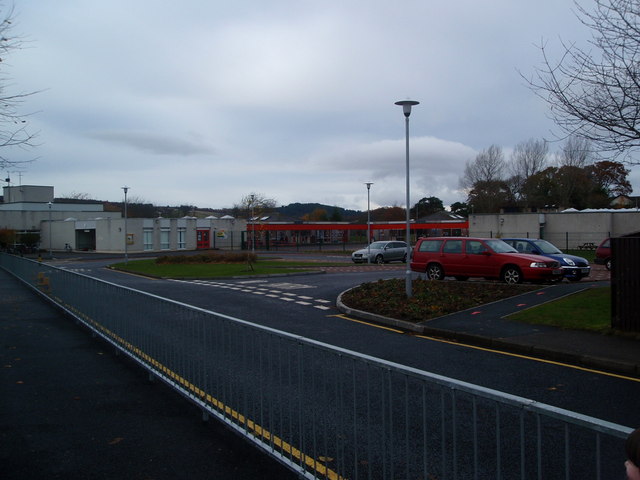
point(586, 310)
point(587, 254)
point(150, 268)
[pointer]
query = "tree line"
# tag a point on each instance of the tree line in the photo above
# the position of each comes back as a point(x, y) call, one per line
point(532, 179)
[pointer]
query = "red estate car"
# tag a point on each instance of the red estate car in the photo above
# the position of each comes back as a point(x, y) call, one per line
point(464, 257)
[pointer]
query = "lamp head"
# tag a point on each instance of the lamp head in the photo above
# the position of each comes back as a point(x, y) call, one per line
point(406, 106)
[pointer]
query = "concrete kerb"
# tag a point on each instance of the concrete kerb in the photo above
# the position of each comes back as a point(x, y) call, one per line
point(390, 322)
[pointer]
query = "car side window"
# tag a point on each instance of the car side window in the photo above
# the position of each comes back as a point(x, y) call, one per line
point(453, 246)
point(474, 247)
point(430, 246)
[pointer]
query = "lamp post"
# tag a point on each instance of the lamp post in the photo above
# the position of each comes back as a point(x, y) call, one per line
point(253, 232)
point(50, 232)
point(126, 240)
point(368, 184)
point(406, 109)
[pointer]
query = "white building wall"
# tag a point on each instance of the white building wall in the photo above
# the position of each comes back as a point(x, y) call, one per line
point(30, 219)
point(60, 232)
point(566, 230)
point(224, 233)
point(27, 193)
point(110, 234)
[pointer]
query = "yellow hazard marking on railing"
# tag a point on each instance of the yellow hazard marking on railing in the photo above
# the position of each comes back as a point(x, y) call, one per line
point(43, 282)
point(241, 419)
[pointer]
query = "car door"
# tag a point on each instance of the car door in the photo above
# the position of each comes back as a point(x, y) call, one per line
point(478, 262)
point(397, 250)
point(453, 257)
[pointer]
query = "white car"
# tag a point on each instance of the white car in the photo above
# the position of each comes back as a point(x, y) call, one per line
point(381, 252)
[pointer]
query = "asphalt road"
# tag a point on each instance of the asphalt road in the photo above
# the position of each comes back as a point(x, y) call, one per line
point(305, 305)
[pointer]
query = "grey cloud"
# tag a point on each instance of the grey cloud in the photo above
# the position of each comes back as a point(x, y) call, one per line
point(155, 143)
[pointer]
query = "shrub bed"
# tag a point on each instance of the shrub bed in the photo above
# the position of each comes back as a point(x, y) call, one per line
point(207, 258)
point(430, 299)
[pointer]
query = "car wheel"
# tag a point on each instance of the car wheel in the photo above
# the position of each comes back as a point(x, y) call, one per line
point(379, 259)
point(461, 278)
point(404, 259)
point(434, 272)
point(607, 264)
point(511, 275)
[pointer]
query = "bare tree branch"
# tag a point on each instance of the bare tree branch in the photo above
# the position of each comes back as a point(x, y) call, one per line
point(594, 92)
point(14, 126)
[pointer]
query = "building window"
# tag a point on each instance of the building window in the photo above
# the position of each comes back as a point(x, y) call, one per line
point(181, 238)
point(164, 239)
point(148, 238)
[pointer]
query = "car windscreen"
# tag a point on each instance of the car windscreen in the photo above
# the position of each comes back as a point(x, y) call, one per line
point(546, 247)
point(499, 246)
point(378, 245)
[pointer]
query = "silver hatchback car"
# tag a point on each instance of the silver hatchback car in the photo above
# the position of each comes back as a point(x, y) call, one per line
point(381, 252)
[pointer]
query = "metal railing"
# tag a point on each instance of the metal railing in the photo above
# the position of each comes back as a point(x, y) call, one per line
point(327, 412)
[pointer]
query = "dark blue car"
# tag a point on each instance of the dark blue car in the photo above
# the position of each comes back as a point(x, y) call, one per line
point(573, 268)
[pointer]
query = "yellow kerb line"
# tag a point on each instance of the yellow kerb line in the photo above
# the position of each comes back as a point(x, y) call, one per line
point(382, 327)
point(526, 357)
point(256, 429)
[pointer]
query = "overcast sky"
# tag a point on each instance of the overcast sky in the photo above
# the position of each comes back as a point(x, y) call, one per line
point(202, 102)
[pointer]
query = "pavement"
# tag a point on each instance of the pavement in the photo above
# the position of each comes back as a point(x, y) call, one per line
point(70, 408)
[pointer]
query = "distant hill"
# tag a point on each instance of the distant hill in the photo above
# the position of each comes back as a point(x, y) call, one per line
point(293, 211)
point(297, 210)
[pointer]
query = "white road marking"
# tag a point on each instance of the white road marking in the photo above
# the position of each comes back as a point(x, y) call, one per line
point(263, 287)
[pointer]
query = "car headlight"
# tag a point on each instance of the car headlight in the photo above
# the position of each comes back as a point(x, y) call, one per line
point(538, 265)
point(568, 261)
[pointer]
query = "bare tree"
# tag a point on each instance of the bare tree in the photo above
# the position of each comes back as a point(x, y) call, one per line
point(576, 152)
point(484, 181)
point(488, 166)
point(572, 159)
point(527, 159)
point(595, 93)
point(13, 124)
point(256, 204)
point(77, 196)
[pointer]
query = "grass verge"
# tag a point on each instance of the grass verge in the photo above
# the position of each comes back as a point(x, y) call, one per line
point(586, 310)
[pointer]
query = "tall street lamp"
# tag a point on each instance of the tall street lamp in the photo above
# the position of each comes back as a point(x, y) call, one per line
point(406, 109)
point(50, 233)
point(368, 184)
point(126, 239)
point(253, 231)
